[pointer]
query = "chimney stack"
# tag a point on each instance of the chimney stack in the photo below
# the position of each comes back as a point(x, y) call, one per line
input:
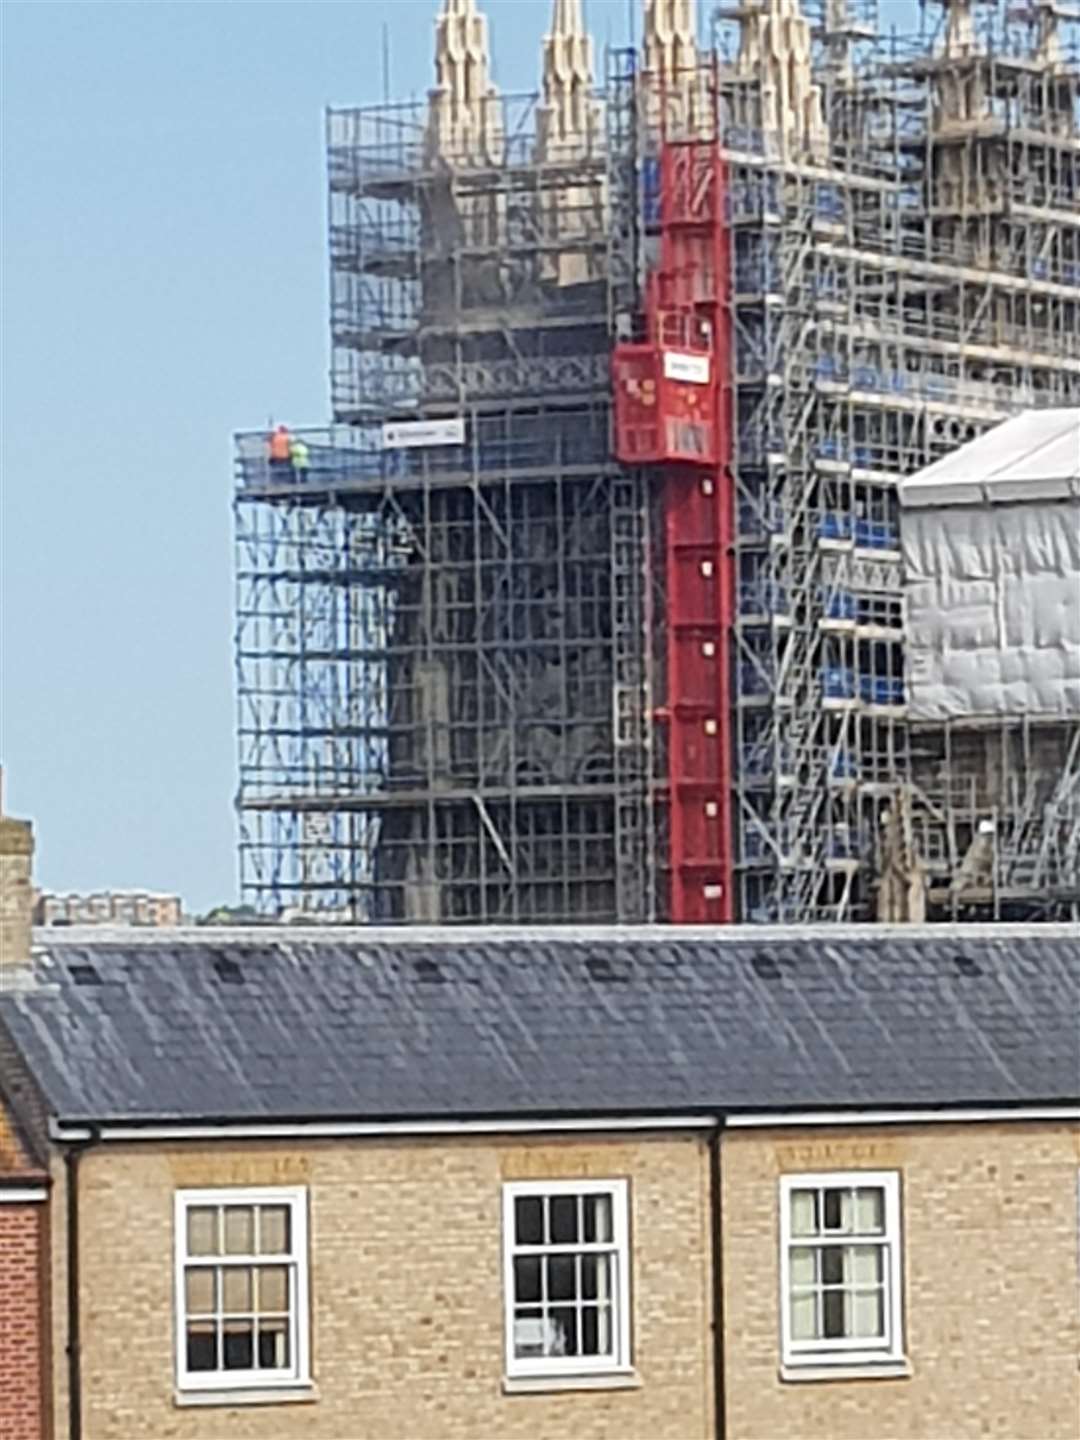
point(16, 897)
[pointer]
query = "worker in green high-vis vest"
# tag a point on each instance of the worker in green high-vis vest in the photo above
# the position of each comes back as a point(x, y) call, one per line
point(300, 456)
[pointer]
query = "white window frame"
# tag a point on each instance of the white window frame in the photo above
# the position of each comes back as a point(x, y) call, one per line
point(299, 1372)
point(619, 1361)
point(852, 1351)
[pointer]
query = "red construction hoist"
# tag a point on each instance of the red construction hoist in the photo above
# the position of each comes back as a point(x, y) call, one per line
point(673, 413)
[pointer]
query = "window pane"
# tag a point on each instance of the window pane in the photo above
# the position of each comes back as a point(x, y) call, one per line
point(202, 1230)
point(833, 1303)
point(804, 1316)
point(605, 1330)
point(199, 1292)
point(238, 1343)
point(274, 1230)
point(866, 1314)
point(529, 1221)
point(202, 1346)
point(597, 1219)
point(837, 1210)
point(596, 1330)
point(870, 1212)
point(239, 1230)
point(564, 1219)
point(561, 1277)
point(526, 1278)
point(596, 1277)
point(864, 1264)
point(838, 1272)
point(804, 1206)
point(273, 1344)
point(529, 1334)
point(563, 1298)
point(803, 1266)
point(273, 1287)
point(562, 1331)
point(236, 1289)
point(832, 1264)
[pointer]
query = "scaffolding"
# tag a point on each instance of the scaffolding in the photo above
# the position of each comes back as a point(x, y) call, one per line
point(463, 691)
point(441, 659)
point(905, 275)
point(995, 816)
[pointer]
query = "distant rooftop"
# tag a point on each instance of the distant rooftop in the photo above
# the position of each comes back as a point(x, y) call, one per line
point(130, 893)
point(1033, 456)
point(107, 907)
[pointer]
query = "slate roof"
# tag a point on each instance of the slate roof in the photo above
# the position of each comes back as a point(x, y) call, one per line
point(284, 1025)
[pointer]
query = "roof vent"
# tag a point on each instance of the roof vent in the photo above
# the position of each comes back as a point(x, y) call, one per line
point(604, 972)
point(84, 975)
point(966, 965)
point(766, 966)
point(228, 971)
point(429, 973)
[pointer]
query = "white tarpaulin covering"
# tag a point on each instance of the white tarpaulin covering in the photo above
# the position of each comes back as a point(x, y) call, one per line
point(991, 543)
point(1030, 457)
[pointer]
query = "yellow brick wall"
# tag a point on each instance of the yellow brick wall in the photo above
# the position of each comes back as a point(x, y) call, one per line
point(992, 1285)
point(406, 1279)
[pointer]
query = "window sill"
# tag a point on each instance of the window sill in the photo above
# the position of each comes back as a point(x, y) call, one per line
point(267, 1395)
point(548, 1384)
point(871, 1370)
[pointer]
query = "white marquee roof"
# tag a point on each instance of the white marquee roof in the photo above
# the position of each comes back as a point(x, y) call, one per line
point(1033, 456)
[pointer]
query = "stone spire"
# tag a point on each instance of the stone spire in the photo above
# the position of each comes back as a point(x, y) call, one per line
point(670, 41)
point(774, 48)
point(959, 38)
point(569, 128)
point(464, 111)
point(837, 38)
point(1060, 114)
point(568, 122)
point(960, 92)
point(1049, 16)
point(677, 92)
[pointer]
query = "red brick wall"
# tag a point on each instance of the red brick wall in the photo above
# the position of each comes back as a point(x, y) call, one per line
point(21, 1402)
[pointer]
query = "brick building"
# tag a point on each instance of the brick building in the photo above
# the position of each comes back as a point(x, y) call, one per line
point(24, 1317)
point(24, 1284)
point(676, 1184)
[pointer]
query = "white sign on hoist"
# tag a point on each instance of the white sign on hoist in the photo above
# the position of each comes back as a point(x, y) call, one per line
point(412, 434)
point(693, 369)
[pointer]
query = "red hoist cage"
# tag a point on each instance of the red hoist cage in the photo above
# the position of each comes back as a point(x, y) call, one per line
point(673, 413)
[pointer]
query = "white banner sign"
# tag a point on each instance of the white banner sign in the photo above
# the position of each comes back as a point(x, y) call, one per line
point(411, 434)
point(692, 368)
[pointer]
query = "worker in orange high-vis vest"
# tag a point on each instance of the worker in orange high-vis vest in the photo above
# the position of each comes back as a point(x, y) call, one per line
point(280, 450)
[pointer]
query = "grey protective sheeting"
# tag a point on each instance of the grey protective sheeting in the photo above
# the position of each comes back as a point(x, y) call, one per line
point(993, 609)
point(281, 1026)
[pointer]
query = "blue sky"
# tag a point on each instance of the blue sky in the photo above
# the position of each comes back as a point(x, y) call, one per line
point(163, 283)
